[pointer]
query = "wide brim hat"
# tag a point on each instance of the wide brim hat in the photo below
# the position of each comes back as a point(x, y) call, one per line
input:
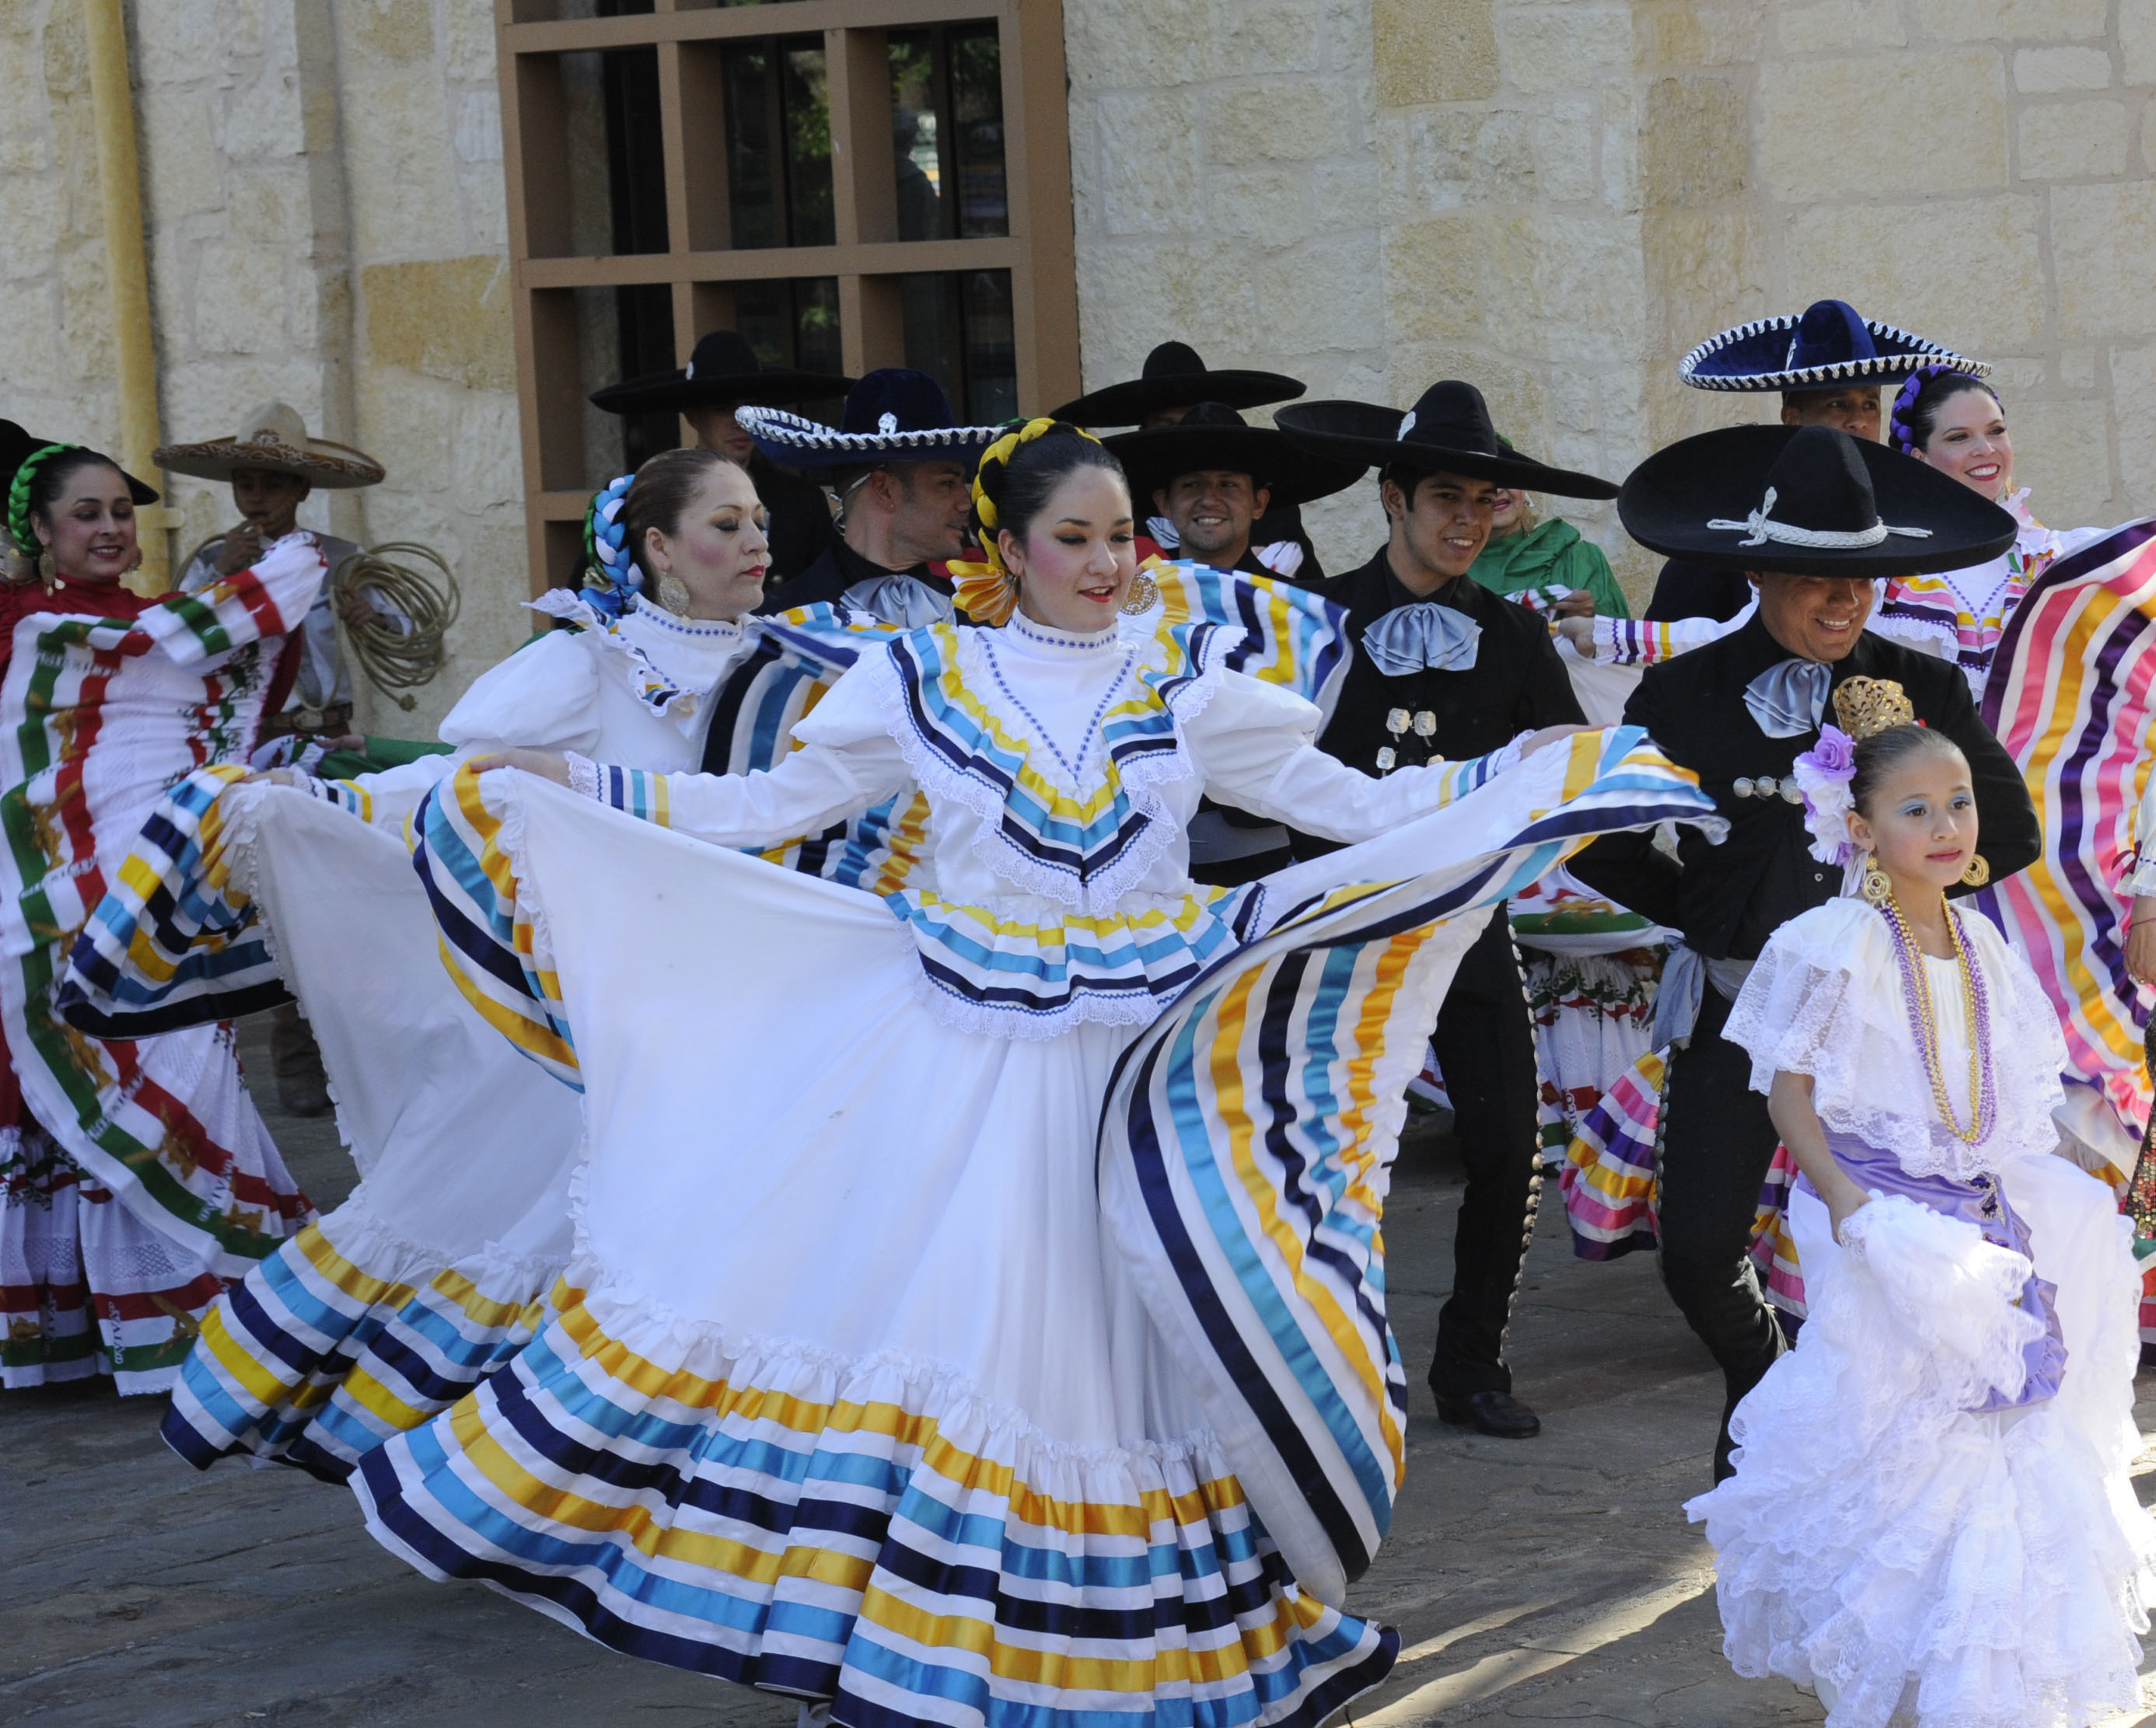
point(1216, 436)
point(274, 440)
point(1828, 343)
point(1448, 431)
point(15, 447)
point(892, 415)
point(722, 372)
point(1174, 377)
point(1807, 500)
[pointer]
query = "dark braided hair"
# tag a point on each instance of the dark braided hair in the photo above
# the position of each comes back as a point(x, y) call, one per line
point(1016, 485)
point(1915, 412)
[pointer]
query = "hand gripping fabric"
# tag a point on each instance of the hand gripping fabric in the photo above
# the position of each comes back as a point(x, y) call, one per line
point(1244, 1188)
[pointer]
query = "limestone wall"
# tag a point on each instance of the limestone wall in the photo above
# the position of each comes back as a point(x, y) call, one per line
point(1557, 200)
point(322, 184)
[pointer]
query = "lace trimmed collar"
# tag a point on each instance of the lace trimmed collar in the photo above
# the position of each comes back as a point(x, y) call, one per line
point(665, 656)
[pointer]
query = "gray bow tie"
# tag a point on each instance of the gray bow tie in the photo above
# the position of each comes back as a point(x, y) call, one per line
point(900, 600)
point(1409, 637)
point(1789, 700)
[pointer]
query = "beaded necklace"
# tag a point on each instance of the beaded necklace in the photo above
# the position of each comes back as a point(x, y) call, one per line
point(1917, 997)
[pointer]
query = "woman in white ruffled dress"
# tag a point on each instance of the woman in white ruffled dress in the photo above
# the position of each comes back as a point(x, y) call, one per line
point(978, 1313)
point(432, 1272)
point(1931, 1519)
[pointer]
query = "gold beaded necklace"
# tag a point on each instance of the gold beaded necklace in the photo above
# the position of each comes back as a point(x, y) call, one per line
point(1915, 977)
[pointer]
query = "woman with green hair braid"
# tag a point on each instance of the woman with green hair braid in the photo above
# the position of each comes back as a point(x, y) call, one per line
point(135, 1178)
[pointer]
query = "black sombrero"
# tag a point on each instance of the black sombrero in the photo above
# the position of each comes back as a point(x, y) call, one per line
point(1826, 344)
point(1807, 500)
point(1174, 377)
point(722, 372)
point(892, 415)
point(1213, 436)
point(17, 444)
point(1448, 430)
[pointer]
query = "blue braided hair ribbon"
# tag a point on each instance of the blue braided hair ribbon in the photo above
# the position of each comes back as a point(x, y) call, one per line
point(18, 498)
point(611, 573)
point(1898, 422)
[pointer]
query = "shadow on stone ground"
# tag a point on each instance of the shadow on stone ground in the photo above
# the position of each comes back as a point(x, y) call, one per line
point(1553, 1580)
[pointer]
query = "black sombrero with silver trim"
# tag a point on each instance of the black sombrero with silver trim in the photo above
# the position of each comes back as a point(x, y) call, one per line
point(1174, 377)
point(1447, 431)
point(1807, 500)
point(1826, 344)
point(892, 415)
point(1213, 437)
point(722, 372)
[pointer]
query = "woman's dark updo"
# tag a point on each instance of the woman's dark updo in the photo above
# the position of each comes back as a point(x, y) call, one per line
point(660, 496)
point(1915, 412)
point(1020, 486)
point(1881, 754)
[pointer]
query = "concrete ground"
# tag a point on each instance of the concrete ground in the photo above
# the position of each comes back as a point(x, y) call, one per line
point(1550, 1580)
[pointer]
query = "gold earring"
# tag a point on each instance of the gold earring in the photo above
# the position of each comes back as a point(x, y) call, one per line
point(1878, 887)
point(1144, 594)
point(47, 571)
point(1977, 871)
point(674, 595)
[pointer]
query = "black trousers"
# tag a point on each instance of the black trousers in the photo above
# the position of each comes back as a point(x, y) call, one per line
point(1485, 1046)
point(1717, 1142)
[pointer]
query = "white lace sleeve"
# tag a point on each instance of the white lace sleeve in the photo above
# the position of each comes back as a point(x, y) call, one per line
point(1825, 999)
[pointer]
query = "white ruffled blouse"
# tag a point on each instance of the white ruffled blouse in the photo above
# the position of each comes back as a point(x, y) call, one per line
point(1825, 999)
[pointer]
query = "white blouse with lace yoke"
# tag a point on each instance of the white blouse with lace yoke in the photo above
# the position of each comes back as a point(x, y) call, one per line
point(1062, 773)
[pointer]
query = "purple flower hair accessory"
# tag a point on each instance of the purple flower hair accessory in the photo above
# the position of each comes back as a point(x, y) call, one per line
point(1898, 422)
point(1823, 774)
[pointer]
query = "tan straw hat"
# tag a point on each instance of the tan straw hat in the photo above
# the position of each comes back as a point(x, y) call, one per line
point(274, 440)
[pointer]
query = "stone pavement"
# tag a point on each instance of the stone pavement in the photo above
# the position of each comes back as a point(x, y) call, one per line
point(1550, 1580)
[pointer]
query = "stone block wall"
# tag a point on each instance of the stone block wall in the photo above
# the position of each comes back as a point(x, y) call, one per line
point(1557, 199)
point(323, 189)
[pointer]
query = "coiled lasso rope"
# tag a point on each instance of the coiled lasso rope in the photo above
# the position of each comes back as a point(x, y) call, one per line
point(394, 659)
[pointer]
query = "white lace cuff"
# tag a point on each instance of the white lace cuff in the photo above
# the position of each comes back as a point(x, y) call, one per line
point(2140, 879)
point(1506, 756)
point(583, 776)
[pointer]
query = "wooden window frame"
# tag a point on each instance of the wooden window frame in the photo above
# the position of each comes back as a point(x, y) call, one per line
point(701, 266)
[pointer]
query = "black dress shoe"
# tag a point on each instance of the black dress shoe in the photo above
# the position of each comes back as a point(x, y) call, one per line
point(1489, 1413)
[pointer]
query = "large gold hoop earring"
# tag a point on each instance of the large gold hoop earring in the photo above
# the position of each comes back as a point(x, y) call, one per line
point(1144, 594)
point(1977, 871)
point(1878, 887)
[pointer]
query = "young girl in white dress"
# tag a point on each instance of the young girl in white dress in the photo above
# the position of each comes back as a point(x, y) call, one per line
point(1931, 1518)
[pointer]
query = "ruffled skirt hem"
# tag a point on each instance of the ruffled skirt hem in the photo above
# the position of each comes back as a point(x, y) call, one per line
point(874, 1532)
point(346, 1336)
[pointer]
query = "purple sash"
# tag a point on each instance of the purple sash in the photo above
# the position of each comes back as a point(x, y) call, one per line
point(1982, 1203)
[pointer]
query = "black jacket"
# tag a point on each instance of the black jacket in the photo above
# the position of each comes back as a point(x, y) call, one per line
point(840, 567)
point(1518, 683)
point(1727, 899)
point(799, 518)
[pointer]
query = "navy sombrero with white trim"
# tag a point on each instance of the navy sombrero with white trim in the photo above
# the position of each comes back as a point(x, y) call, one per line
point(1827, 344)
point(892, 415)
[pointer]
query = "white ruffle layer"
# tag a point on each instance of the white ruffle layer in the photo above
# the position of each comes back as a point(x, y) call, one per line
point(1985, 1571)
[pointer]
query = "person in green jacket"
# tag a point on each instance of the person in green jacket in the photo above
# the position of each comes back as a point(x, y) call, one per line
point(1526, 554)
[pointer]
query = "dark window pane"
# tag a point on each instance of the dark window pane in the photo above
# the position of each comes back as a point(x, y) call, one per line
point(915, 99)
point(934, 343)
point(808, 109)
point(793, 324)
point(751, 170)
point(644, 316)
point(991, 347)
point(977, 129)
point(959, 331)
point(636, 170)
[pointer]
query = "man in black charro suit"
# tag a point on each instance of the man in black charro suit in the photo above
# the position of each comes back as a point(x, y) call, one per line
point(1814, 515)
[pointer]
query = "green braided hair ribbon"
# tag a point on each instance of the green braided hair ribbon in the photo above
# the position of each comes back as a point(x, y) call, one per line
point(18, 498)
